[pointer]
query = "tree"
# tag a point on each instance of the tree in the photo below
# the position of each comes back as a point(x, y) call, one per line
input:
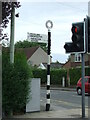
point(27, 44)
point(6, 16)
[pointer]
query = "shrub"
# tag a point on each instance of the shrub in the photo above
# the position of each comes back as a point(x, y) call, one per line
point(39, 73)
point(55, 74)
point(76, 73)
point(87, 71)
point(15, 82)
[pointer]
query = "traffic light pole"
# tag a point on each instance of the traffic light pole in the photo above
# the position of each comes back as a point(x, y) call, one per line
point(83, 74)
point(83, 86)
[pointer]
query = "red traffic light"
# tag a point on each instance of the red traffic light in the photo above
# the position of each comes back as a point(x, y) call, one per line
point(75, 29)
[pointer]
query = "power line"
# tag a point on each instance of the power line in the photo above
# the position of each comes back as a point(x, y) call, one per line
point(74, 7)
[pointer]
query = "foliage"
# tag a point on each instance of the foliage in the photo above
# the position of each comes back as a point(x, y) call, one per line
point(39, 73)
point(15, 82)
point(76, 73)
point(56, 75)
point(27, 44)
point(87, 71)
point(6, 11)
point(6, 16)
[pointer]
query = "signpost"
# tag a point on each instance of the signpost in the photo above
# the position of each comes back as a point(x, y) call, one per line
point(34, 37)
point(49, 25)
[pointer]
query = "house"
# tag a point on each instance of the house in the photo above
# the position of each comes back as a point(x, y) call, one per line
point(75, 61)
point(52, 65)
point(35, 55)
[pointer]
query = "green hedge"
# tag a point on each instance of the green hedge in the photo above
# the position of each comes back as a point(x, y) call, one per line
point(15, 83)
point(39, 73)
point(87, 71)
point(55, 74)
point(76, 73)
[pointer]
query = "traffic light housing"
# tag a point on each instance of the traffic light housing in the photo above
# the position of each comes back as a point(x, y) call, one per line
point(77, 44)
point(88, 34)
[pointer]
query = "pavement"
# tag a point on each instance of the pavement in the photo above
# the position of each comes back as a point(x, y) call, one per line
point(52, 113)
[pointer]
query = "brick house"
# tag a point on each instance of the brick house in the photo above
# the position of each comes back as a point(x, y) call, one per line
point(75, 61)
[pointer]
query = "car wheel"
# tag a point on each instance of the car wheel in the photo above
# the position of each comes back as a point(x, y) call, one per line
point(79, 91)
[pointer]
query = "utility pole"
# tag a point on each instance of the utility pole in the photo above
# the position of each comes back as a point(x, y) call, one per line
point(89, 8)
point(49, 25)
point(12, 34)
point(0, 63)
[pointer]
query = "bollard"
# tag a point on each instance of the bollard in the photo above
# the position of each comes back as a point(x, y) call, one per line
point(63, 82)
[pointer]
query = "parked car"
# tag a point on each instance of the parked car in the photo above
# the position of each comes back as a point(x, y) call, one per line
point(87, 85)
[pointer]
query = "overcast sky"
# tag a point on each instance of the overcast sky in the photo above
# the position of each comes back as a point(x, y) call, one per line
point(33, 16)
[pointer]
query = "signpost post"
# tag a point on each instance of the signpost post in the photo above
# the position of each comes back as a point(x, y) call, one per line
point(49, 25)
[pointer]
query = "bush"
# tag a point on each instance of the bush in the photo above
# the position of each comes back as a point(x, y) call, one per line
point(55, 74)
point(87, 71)
point(76, 73)
point(15, 83)
point(39, 73)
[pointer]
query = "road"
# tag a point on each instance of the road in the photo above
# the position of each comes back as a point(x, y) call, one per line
point(64, 99)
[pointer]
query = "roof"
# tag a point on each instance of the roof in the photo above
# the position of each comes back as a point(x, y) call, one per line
point(54, 65)
point(28, 51)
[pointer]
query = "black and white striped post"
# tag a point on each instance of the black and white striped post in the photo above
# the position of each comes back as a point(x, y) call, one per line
point(49, 25)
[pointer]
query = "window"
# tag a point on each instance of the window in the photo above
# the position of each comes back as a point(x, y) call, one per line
point(77, 57)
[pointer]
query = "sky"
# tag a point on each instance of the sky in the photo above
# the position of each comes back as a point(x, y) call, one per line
point(33, 16)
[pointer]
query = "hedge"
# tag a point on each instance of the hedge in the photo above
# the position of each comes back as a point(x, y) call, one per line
point(15, 83)
point(76, 73)
point(55, 74)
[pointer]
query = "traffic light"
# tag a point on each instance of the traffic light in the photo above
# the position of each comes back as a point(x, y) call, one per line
point(77, 44)
point(78, 37)
point(88, 34)
point(69, 47)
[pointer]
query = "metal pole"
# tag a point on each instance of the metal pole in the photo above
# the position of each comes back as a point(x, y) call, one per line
point(83, 87)
point(12, 35)
point(49, 25)
point(83, 75)
point(48, 72)
point(0, 63)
